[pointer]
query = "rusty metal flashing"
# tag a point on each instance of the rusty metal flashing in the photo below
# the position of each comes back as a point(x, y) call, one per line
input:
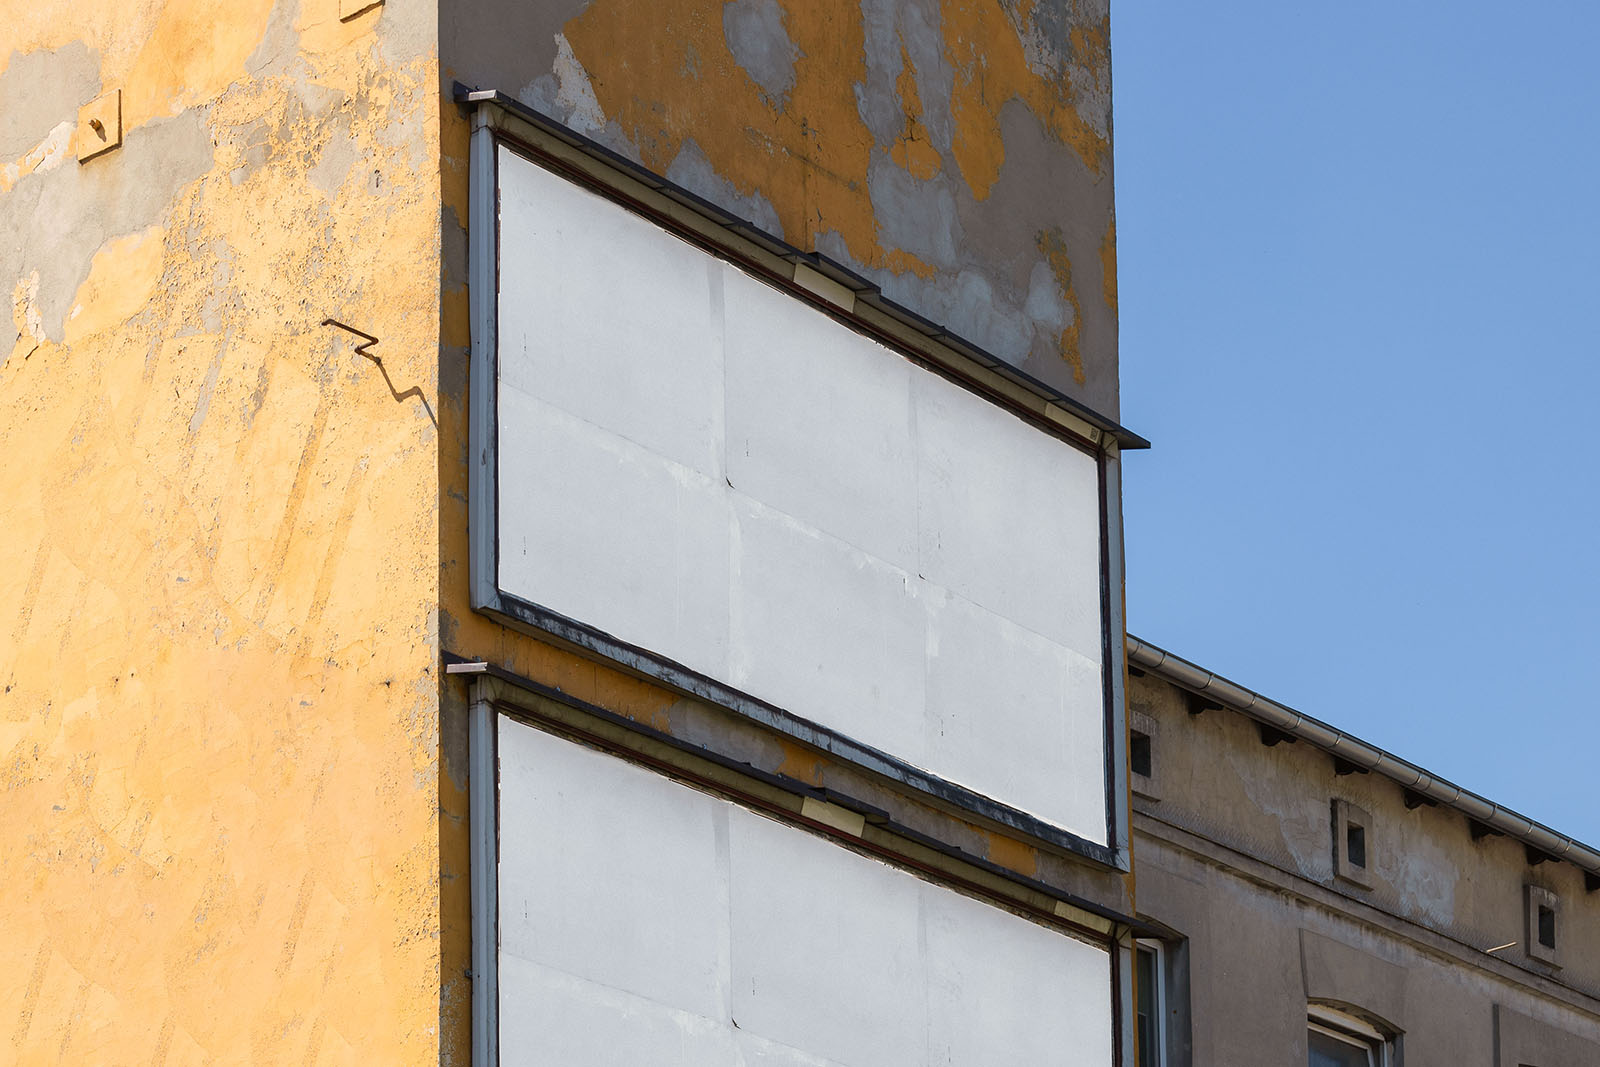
point(874, 313)
point(722, 235)
point(1353, 752)
point(550, 709)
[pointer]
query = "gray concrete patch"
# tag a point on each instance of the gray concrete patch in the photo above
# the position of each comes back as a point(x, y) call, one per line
point(39, 90)
point(761, 45)
point(692, 170)
point(54, 222)
point(339, 155)
point(494, 45)
point(280, 44)
point(919, 217)
point(876, 100)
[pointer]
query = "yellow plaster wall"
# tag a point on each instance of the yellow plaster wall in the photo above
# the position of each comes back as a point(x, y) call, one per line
point(219, 742)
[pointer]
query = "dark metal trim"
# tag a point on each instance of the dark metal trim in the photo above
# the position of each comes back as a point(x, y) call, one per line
point(522, 712)
point(516, 611)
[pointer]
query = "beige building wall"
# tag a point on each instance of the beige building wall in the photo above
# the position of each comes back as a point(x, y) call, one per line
point(1235, 853)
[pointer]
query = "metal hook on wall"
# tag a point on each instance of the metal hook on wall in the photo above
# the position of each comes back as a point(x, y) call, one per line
point(361, 349)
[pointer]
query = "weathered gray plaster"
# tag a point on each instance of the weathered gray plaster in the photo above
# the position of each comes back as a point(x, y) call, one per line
point(1522, 1040)
point(1040, 174)
point(407, 31)
point(565, 93)
point(498, 45)
point(922, 35)
point(1341, 975)
point(39, 90)
point(756, 36)
point(919, 217)
point(453, 245)
point(54, 221)
point(1019, 312)
point(692, 170)
point(279, 47)
point(894, 31)
point(984, 250)
point(333, 166)
point(1424, 875)
point(876, 98)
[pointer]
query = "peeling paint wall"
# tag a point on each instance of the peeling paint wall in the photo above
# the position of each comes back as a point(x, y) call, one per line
point(957, 154)
point(219, 746)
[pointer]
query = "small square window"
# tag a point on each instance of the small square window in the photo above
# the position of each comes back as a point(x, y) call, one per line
point(1547, 927)
point(1139, 754)
point(1352, 844)
point(1544, 924)
point(1142, 734)
point(1355, 845)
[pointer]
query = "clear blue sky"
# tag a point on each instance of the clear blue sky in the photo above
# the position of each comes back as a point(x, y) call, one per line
point(1360, 291)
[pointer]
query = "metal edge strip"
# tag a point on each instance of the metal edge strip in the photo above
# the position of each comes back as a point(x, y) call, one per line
point(513, 609)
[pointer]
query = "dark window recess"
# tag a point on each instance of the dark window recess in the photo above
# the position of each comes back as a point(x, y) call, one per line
point(1145, 1014)
point(1139, 754)
point(1547, 927)
point(1355, 845)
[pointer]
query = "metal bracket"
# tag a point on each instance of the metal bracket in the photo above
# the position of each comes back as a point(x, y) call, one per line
point(361, 349)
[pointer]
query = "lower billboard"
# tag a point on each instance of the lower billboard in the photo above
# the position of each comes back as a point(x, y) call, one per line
point(643, 921)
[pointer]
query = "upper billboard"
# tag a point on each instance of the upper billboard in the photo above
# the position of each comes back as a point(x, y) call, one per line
point(955, 153)
point(723, 484)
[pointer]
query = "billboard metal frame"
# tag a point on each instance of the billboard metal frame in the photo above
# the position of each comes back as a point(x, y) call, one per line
point(498, 123)
point(495, 694)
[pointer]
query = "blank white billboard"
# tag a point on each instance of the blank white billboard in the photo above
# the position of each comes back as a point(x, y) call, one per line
point(647, 923)
point(705, 467)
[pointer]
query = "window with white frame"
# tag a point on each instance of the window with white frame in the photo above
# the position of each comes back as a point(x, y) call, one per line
point(1336, 1039)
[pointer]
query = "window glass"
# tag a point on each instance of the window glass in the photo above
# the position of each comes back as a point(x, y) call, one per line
point(1331, 1050)
point(1148, 1010)
point(1356, 845)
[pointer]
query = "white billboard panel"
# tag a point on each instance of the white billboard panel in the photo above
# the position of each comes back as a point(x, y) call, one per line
point(704, 467)
point(644, 922)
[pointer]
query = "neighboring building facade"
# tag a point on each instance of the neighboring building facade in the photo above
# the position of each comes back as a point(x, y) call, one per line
point(1337, 905)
